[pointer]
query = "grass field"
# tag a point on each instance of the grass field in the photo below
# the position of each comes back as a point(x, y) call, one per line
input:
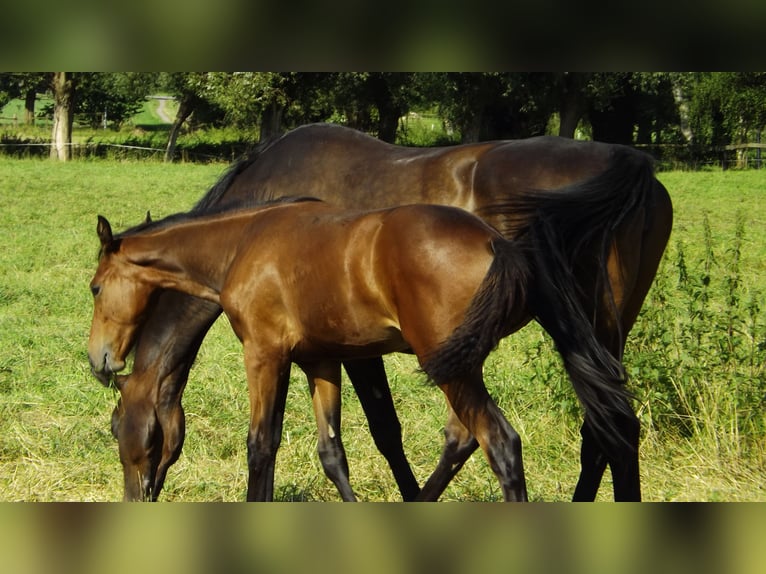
point(696, 359)
point(12, 114)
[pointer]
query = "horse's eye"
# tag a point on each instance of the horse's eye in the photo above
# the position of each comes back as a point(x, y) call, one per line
point(95, 289)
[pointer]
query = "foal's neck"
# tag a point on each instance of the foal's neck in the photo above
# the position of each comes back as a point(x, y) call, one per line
point(191, 256)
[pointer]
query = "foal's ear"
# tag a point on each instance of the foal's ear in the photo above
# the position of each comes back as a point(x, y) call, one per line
point(148, 217)
point(104, 231)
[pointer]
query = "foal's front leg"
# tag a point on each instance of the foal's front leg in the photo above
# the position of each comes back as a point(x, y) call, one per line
point(268, 375)
point(324, 383)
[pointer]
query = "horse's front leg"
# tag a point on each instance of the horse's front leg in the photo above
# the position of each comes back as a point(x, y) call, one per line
point(268, 375)
point(368, 376)
point(324, 383)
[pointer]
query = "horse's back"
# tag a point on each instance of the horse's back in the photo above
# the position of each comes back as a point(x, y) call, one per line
point(354, 170)
point(545, 162)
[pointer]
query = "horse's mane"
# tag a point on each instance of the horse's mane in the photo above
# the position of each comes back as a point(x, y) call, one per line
point(319, 131)
point(210, 200)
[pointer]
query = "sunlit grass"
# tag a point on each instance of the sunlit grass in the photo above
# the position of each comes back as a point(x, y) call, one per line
point(699, 443)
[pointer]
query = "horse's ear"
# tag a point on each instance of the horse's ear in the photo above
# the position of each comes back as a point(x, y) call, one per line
point(104, 231)
point(148, 217)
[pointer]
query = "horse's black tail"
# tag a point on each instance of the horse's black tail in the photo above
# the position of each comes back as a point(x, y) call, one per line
point(500, 299)
point(569, 229)
point(597, 376)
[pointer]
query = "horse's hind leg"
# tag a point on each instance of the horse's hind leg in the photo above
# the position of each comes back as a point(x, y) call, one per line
point(593, 465)
point(371, 385)
point(324, 382)
point(639, 250)
point(459, 444)
point(624, 465)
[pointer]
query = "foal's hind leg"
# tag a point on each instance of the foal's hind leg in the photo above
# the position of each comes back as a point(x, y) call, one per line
point(459, 444)
point(324, 382)
point(371, 385)
point(497, 438)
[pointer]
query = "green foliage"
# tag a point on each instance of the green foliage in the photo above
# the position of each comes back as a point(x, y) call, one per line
point(111, 97)
point(698, 353)
point(726, 106)
point(424, 130)
point(243, 95)
point(679, 117)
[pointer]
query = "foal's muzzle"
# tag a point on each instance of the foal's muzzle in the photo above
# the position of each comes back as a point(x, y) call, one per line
point(105, 368)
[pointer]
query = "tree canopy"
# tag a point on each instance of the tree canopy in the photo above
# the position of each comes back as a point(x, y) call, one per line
point(701, 110)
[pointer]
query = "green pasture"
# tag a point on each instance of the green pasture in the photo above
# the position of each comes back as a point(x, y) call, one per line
point(12, 114)
point(696, 360)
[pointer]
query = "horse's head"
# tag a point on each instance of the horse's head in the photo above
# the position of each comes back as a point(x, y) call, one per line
point(120, 298)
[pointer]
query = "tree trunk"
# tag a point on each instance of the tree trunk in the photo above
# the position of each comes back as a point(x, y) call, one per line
point(29, 106)
point(185, 109)
point(683, 113)
point(570, 112)
point(571, 102)
point(470, 129)
point(63, 85)
point(388, 115)
point(271, 122)
point(388, 122)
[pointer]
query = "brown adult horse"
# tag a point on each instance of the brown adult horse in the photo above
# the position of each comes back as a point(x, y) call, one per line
point(309, 283)
point(350, 169)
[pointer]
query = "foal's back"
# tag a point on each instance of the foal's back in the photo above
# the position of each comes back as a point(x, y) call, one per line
point(330, 282)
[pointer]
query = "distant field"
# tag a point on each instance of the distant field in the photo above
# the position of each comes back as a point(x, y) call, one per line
point(696, 360)
point(13, 112)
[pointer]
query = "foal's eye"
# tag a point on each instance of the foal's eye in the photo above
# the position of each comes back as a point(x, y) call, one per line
point(95, 289)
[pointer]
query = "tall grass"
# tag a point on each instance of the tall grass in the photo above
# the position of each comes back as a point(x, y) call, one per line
point(698, 352)
point(695, 359)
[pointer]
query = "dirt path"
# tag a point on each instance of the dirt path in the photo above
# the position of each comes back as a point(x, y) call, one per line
point(162, 111)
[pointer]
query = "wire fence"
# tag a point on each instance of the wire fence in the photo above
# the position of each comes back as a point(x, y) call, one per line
point(205, 153)
point(668, 157)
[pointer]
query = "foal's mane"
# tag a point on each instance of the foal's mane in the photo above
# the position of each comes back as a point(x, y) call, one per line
point(195, 214)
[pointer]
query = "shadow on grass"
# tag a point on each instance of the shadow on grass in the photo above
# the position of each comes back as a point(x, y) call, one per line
point(293, 493)
point(154, 128)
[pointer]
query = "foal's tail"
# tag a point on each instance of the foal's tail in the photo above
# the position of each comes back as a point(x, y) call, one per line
point(499, 302)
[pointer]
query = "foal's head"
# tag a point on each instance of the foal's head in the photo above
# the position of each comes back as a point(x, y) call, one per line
point(121, 295)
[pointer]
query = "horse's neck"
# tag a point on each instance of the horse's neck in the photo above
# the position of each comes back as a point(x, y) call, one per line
point(191, 257)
